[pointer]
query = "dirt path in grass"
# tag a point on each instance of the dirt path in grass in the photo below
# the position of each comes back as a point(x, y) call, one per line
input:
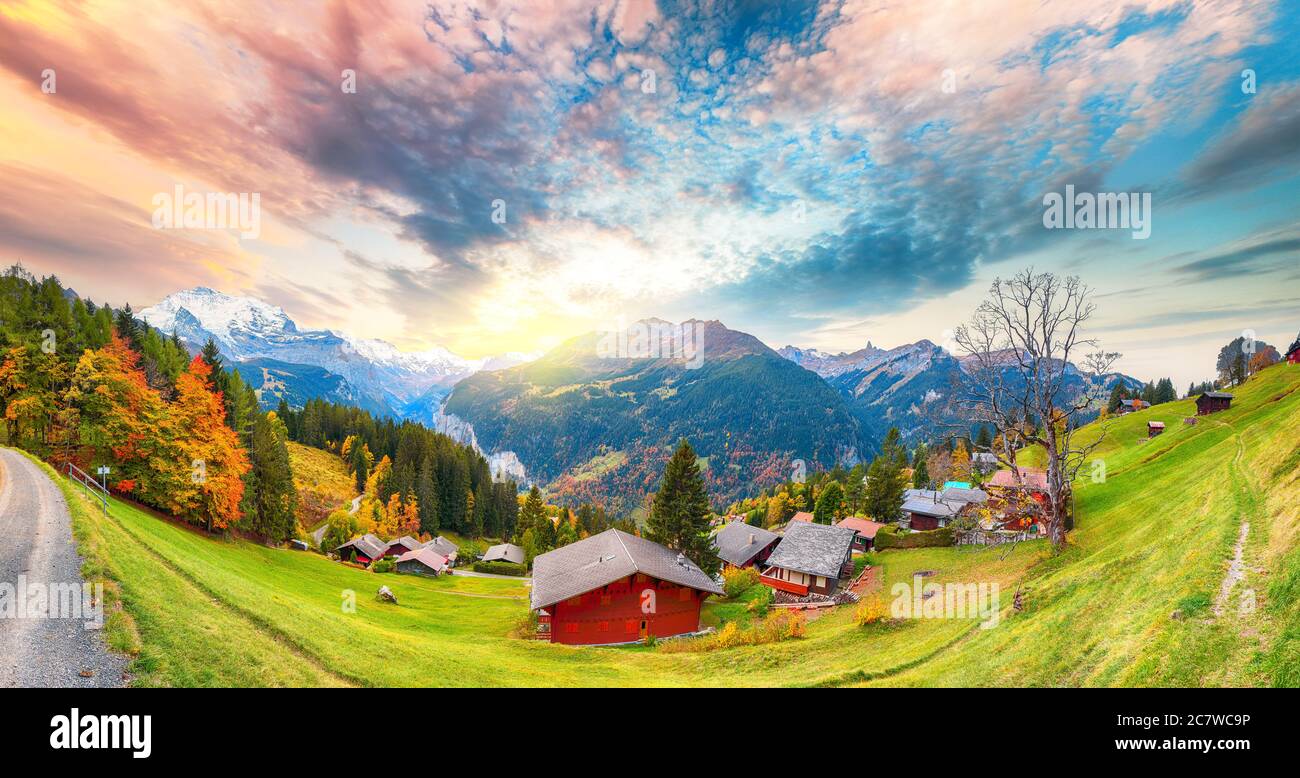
point(1247, 499)
point(1236, 570)
point(50, 645)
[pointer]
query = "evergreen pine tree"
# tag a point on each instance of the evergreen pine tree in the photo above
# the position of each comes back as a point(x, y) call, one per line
point(426, 495)
point(680, 516)
point(533, 513)
point(276, 499)
point(921, 470)
point(828, 510)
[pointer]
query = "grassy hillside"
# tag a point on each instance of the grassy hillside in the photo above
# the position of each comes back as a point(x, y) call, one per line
point(322, 482)
point(1157, 537)
point(1153, 538)
point(217, 612)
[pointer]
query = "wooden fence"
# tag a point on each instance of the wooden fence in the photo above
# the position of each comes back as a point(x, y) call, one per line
point(980, 537)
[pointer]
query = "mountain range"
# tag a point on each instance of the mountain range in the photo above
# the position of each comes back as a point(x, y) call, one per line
point(597, 423)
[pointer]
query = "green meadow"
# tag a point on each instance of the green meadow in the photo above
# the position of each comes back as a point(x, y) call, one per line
point(1130, 602)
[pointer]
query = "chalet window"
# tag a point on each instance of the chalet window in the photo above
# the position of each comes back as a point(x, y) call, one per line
point(604, 626)
point(630, 627)
point(821, 580)
point(604, 599)
point(572, 626)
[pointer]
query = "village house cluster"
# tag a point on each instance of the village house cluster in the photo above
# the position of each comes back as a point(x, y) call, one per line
point(615, 587)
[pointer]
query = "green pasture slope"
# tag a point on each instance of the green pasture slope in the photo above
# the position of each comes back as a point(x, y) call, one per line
point(1154, 538)
point(1133, 600)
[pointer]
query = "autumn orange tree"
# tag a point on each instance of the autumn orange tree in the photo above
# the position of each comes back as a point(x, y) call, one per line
point(207, 449)
point(113, 411)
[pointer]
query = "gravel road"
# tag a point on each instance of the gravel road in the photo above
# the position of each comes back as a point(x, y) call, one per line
point(36, 544)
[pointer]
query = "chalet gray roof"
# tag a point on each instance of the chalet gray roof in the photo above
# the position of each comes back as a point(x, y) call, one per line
point(604, 558)
point(927, 494)
point(984, 456)
point(407, 541)
point(955, 494)
point(941, 509)
point(817, 549)
point(1217, 395)
point(738, 542)
point(442, 547)
point(367, 544)
point(507, 552)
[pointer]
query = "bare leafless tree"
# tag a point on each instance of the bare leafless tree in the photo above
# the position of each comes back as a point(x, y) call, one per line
point(1017, 350)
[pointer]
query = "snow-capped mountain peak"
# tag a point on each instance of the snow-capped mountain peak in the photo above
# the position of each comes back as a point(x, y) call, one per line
point(409, 383)
point(225, 317)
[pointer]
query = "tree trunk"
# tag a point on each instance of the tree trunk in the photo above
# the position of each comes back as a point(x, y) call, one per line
point(1055, 494)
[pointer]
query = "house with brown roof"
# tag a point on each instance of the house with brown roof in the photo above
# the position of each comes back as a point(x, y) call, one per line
point(422, 561)
point(1030, 478)
point(804, 516)
point(866, 530)
point(1212, 402)
point(617, 588)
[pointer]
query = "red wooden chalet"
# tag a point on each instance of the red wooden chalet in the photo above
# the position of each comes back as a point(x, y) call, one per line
point(617, 588)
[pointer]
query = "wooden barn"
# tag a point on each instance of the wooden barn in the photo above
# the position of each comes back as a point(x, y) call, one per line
point(742, 545)
point(1212, 402)
point(422, 561)
point(402, 545)
point(1293, 356)
point(1155, 428)
point(443, 548)
point(362, 550)
point(925, 513)
point(617, 588)
point(811, 559)
point(1129, 406)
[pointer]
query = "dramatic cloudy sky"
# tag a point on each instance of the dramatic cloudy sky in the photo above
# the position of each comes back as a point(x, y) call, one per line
point(799, 170)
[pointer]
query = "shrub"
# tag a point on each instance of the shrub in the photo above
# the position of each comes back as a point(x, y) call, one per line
point(738, 580)
point(784, 624)
point(500, 568)
point(761, 601)
point(869, 611)
point(891, 537)
point(385, 565)
point(468, 550)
